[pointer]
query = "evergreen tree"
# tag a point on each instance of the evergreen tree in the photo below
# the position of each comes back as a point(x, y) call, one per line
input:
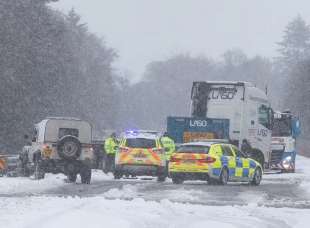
point(295, 45)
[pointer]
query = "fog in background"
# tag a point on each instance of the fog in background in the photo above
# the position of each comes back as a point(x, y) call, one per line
point(144, 30)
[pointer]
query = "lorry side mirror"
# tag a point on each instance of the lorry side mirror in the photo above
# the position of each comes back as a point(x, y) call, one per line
point(296, 128)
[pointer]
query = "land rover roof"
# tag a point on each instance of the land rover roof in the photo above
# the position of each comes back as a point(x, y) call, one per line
point(48, 129)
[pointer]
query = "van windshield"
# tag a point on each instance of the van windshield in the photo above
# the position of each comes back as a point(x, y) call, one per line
point(140, 143)
point(194, 149)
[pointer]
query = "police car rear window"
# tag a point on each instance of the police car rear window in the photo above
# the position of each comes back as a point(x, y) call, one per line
point(194, 149)
point(140, 143)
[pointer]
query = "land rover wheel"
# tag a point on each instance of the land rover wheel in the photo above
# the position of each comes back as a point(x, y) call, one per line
point(69, 148)
point(72, 177)
point(85, 174)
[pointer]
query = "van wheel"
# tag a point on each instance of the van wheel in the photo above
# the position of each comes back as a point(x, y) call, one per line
point(257, 177)
point(224, 177)
point(85, 174)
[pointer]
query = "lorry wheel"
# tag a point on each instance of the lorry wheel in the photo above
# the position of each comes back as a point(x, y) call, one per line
point(257, 177)
point(224, 177)
point(85, 174)
point(177, 180)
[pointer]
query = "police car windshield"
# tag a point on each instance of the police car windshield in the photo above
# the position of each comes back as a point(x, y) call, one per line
point(140, 143)
point(194, 149)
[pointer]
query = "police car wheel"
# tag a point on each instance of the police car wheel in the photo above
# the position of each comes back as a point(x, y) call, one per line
point(257, 177)
point(224, 177)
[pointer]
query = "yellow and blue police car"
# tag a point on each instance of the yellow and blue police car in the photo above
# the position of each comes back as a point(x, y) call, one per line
point(215, 162)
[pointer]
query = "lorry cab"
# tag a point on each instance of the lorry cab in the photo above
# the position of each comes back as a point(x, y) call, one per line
point(285, 132)
point(245, 106)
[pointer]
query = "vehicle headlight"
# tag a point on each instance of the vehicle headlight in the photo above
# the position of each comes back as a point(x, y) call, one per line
point(288, 158)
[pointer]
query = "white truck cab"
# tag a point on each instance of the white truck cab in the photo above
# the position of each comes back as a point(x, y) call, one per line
point(245, 106)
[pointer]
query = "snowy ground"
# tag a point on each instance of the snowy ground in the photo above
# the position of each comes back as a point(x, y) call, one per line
point(282, 200)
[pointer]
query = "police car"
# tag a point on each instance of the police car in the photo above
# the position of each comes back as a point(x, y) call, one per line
point(140, 153)
point(213, 161)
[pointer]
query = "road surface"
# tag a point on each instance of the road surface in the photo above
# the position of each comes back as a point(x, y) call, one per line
point(282, 200)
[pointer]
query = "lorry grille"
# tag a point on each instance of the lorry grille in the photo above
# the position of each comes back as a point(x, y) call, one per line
point(276, 156)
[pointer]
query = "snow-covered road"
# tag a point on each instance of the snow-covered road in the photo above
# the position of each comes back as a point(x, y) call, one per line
point(282, 200)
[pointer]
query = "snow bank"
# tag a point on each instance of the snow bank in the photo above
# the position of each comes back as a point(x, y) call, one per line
point(303, 168)
point(50, 212)
point(29, 186)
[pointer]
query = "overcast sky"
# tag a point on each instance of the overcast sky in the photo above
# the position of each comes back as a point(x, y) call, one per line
point(146, 30)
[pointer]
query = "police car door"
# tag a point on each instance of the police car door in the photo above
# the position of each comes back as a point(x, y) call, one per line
point(242, 165)
point(229, 160)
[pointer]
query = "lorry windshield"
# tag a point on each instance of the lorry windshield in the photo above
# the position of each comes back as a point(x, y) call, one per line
point(282, 128)
point(194, 149)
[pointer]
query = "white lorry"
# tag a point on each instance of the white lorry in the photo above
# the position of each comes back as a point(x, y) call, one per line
point(245, 106)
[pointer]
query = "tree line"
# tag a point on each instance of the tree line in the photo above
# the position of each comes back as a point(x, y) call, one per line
point(50, 65)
